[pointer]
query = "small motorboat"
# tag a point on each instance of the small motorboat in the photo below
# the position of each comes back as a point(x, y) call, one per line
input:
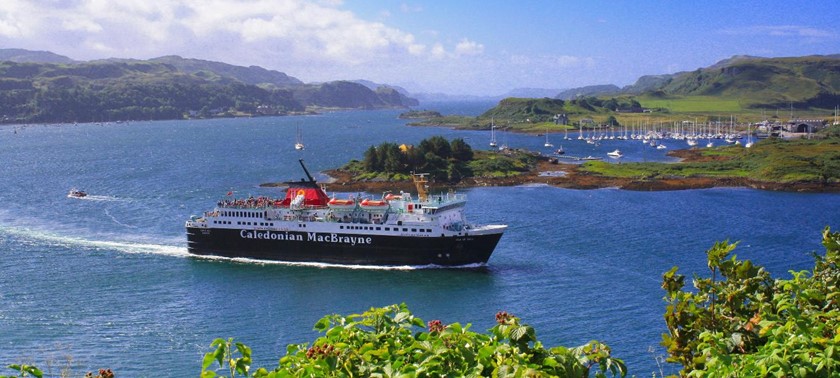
point(75, 193)
point(615, 154)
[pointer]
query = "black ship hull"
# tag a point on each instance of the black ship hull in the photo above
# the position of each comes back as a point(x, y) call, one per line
point(343, 249)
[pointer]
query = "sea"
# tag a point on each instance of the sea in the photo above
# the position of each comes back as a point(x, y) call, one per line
point(105, 281)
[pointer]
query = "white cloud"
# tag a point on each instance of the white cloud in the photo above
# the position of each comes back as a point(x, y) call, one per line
point(314, 41)
point(467, 47)
point(780, 31)
point(312, 30)
point(15, 22)
point(80, 24)
point(438, 51)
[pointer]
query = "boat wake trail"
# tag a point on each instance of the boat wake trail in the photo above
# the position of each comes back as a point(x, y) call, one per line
point(108, 213)
point(94, 197)
point(40, 237)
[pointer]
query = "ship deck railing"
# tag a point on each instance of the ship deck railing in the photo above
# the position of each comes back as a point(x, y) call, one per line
point(443, 199)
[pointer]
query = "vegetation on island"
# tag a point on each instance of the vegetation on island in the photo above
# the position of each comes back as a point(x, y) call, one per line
point(412, 114)
point(444, 161)
point(539, 115)
point(770, 160)
point(736, 320)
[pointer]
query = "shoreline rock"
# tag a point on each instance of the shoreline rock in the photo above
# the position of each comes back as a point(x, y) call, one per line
point(563, 175)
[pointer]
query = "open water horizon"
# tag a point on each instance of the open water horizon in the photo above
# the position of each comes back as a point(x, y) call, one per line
point(107, 281)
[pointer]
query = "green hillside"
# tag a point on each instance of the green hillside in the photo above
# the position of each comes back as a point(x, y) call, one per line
point(535, 110)
point(164, 88)
point(803, 82)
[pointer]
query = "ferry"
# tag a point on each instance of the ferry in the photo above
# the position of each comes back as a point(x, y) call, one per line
point(307, 226)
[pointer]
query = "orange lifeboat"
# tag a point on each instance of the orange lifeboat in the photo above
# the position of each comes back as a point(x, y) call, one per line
point(391, 197)
point(341, 204)
point(369, 204)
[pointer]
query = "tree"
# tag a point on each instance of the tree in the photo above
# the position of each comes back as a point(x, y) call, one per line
point(461, 151)
point(436, 145)
point(371, 160)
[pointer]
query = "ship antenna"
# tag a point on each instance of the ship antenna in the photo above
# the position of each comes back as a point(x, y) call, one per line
point(420, 183)
point(306, 171)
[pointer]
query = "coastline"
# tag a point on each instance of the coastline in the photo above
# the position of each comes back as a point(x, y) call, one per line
point(564, 175)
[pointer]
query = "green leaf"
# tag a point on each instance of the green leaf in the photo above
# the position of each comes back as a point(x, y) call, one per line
point(402, 316)
point(207, 361)
point(322, 324)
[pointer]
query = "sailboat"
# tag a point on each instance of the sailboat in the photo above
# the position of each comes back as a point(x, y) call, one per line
point(547, 143)
point(299, 141)
point(749, 137)
point(492, 135)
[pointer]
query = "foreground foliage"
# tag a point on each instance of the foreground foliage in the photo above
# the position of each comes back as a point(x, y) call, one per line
point(391, 342)
point(741, 323)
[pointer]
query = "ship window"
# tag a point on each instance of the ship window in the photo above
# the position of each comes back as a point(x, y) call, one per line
point(387, 228)
point(413, 230)
point(341, 227)
point(378, 228)
point(405, 230)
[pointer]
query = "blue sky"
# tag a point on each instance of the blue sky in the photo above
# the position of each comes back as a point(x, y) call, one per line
point(454, 47)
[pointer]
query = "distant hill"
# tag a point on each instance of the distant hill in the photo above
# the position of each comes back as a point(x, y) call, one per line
point(532, 92)
point(592, 90)
point(810, 81)
point(253, 75)
point(164, 88)
point(398, 94)
point(534, 110)
point(27, 56)
point(444, 97)
point(648, 83)
point(803, 82)
point(346, 94)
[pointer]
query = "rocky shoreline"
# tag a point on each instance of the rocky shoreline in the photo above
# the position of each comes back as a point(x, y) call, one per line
point(569, 176)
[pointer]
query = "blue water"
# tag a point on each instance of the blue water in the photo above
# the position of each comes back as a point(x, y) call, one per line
point(107, 281)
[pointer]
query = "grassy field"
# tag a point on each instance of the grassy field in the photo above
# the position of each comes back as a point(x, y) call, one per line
point(692, 104)
point(771, 160)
